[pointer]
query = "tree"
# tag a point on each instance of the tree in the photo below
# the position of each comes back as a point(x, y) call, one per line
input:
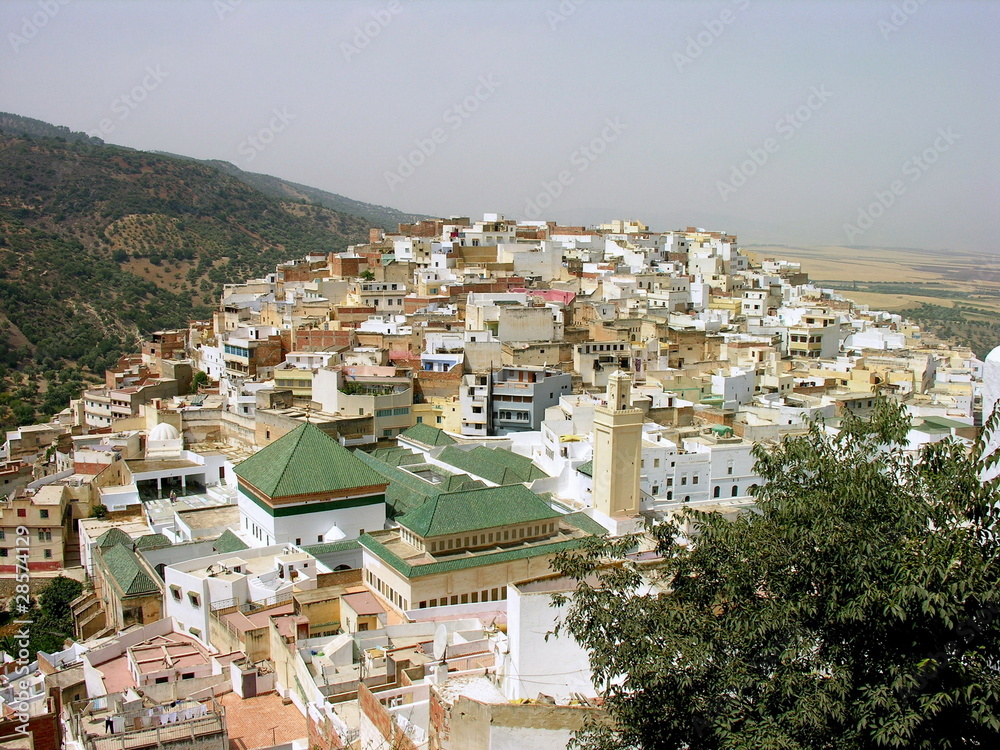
point(200, 378)
point(859, 608)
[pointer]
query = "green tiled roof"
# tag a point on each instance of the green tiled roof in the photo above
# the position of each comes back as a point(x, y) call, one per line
point(472, 561)
point(229, 542)
point(405, 491)
point(587, 468)
point(479, 466)
point(585, 523)
point(471, 510)
point(113, 536)
point(522, 465)
point(329, 547)
point(152, 541)
point(428, 435)
point(398, 456)
point(123, 565)
point(304, 462)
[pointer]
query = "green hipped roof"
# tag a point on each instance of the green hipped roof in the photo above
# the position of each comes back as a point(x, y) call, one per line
point(523, 465)
point(492, 464)
point(428, 435)
point(123, 565)
point(378, 549)
point(585, 523)
point(229, 542)
point(398, 456)
point(326, 548)
point(405, 491)
point(113, 536)
point(471, 510)
point(152, 541)
point(587, 468)
point(303, 462)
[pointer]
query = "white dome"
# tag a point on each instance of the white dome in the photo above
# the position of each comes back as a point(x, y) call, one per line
point(164, 431)
point(993, 356)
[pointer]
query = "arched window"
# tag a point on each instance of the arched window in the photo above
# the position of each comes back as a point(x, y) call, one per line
point(736, 490)
point(717, 491)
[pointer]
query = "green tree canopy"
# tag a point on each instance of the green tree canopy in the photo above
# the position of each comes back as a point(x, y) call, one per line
point(858, 608)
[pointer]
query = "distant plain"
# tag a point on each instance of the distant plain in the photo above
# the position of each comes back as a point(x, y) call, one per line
point(897, 278)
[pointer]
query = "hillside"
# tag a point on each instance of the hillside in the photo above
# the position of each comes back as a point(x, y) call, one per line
point(379, 216)
point(100, 245)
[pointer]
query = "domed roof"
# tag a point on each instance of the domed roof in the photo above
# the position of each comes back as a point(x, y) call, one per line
point(994, 356)
point(164, 431)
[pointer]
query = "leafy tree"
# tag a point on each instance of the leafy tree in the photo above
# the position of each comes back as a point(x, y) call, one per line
point(858, 609)
point(200, 378)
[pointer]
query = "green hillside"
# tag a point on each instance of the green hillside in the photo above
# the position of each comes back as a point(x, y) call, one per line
point(379, 216)
point(100, 245)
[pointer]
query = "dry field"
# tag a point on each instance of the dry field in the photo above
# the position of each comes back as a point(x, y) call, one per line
point(977, 274)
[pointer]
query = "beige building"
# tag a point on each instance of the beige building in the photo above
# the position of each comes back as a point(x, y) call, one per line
point(34, 527)
point(465, 547)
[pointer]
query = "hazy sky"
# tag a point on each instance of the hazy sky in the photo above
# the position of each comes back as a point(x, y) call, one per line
point(862, 123)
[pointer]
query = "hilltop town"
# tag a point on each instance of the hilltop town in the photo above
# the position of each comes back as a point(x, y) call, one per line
point(328, 514)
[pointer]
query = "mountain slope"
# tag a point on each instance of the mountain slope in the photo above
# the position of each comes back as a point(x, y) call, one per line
point(100, 245)
point(379, 216)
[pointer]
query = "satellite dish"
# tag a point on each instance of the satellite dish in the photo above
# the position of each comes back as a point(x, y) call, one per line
point(440, 642)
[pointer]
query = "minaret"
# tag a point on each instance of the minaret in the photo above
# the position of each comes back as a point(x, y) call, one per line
point(617, 449)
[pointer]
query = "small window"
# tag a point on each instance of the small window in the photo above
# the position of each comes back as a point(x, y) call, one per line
point(298, 541)
point(3, 552)
point(187, 676)
point(44, 512)
point(22, 512)
point(48, 554)
point(194, 599)
point(161, 680)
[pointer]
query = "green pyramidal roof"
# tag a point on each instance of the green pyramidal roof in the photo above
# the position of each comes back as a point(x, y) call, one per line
point(229, 542)
point(113, 536)
point(304, 462)
point(126, 569)
point(428, 435)
point(471, 510)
